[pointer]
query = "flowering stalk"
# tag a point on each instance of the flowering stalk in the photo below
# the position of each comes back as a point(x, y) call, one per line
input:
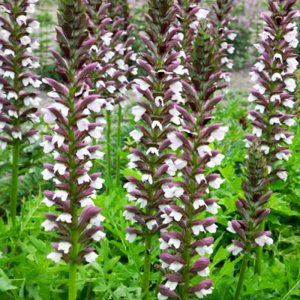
point(190, 220)
point(273, 93)
point(18, 102)
point(252, 210)
point(77, 221)
point(112, 52)
point(219, 21)
point(159, 87)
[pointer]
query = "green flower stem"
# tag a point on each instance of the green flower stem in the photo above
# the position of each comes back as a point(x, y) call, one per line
point(119, 144)
point(259, 254)
point(73, 282)
point(108, 149)
point(14, 179)
point(241, 278)
point(147, 267)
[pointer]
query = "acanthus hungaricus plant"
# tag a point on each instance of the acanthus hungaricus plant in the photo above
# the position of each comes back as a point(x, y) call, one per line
point(188, 242)
point(77, 220)
point(269, 142)
point(18, 97)
point(160, 87)
point(113, 53)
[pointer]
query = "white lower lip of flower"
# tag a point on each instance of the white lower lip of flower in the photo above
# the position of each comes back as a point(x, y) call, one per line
point(48, 225)
point(204, 272)
point(48, 202)
point(64, 217)
point(175, 266)
point(211, 228)
point(163, 244)
point(161, 297)
point(198, 203)
point(60, 168)
point(97, 184)
point(216, 183)
point(136, 135)
point(197, 229)
point(176, 215)
point(263, 240)
point(151, 224)
point(174, 242)
point(230, 228)
point(99, 235)
point(282, 175)
point(47, 175)
point(204, 292)
point(64, 247)
point(90, 257)
point(172, 285)
point(63, 195)
point(130, 237)
point(55, 256)
point(202, 150)
point(235, 250)
point(97, 220)
point(213, 208)
point(204, 249)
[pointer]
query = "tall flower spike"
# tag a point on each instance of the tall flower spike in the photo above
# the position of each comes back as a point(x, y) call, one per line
point(275, 85)
point(220, 21)
point(188, 242)
point(77, 221)
point(160, 87)
point(18, 82)
point(113, 53)
point(252, 210)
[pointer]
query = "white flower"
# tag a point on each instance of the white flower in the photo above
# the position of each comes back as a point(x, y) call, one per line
point(48, 225)
point(97, 220)
point(143, 85)
point(147, 177)
point(260, 66)
point(176, 87)
point(202, 150)
point(263, 240)
point(60, 168)
point(232, 36)
point(197, 229)
point(213, 208)
point(290, 84)
point(174, 242)
point(136, 135)
point(288, 103)
point(98, 183)
point(99, 235)
point(283, 175)
point(161, 297)
point(175, 266)
point(106, 38)
point(48, 202)
point(198, 203)
point(200, 177)
point(278, 56)
point(25, 40)
point(235, 250)
point(47, 175)
point(257, 131)
point(172, 285)
point(128, 215)
point(21, 20)
point(289, 122)
point(130, 237)
point(204, 292)
point(283, 156)
point(55, 256)
point(202, 250)
point(204, 272)
point(175, 141)
point(156, 124)
point(63, 195)
point(201, 14)
point(292, 64)
point(49, 117)
point(218, 134)
point(211, 228)
point(64, 247)
point(90, 257)
point(276, 76)
point(176, 215)
point(138, 112)
point(215, 161)
point(151, 224)
point(86, 202)
point(230, 228)
point(251, 98)
point(64, 217)
point(216, 183)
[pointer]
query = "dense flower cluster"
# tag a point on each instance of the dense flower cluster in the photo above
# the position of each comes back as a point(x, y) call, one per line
point(251, 208)
point(112, 51)
point(220, 21)
point(78, 220)
point(188, 242)
point(18, 98)
point(273, 95)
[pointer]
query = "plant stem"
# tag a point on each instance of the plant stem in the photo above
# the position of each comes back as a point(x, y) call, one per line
point(119, 144)
point(242, 277)
point(73, 282)
point(14, 179)
point(147, 267)
point(259, 254)
point(108, 148)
